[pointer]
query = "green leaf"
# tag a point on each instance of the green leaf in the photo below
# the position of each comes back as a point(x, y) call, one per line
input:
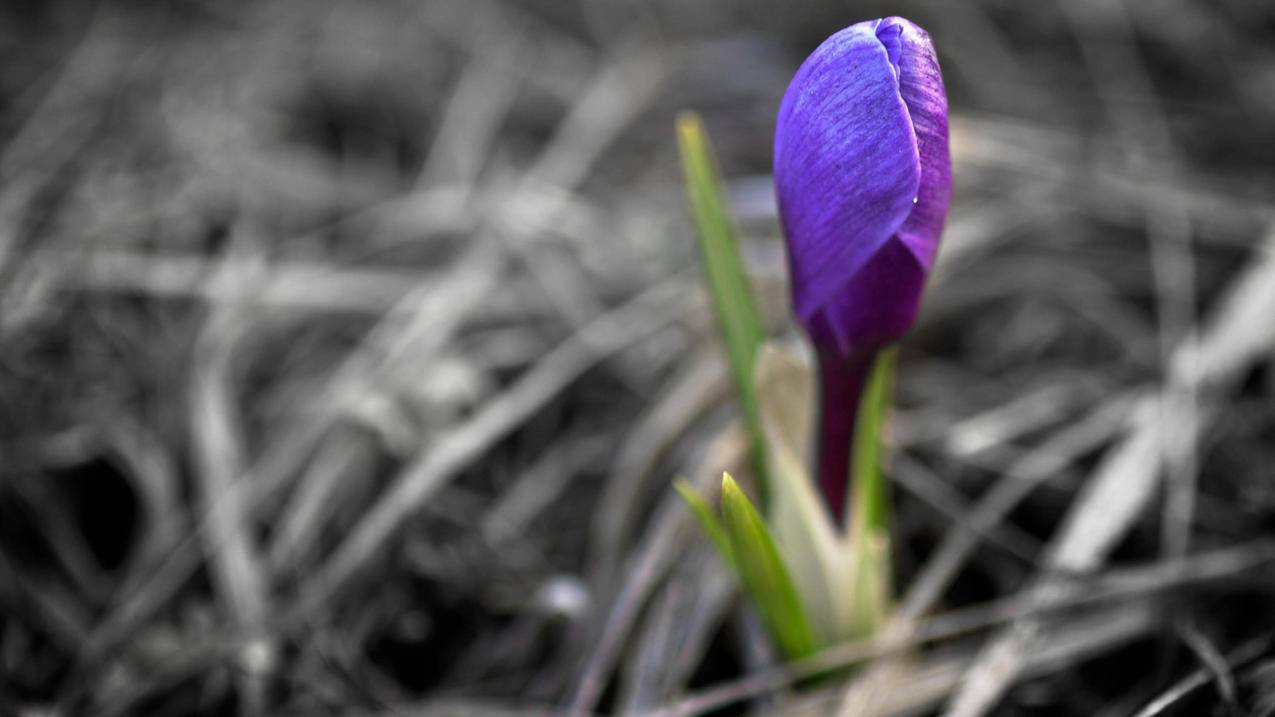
point(869, 585)
point(871, 491)
point(808, 540)
point(870, 539)
point(737, 316)
point(764, 575)
point(707, 520)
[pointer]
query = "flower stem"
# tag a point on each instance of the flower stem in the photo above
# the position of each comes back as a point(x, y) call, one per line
point(841, 382)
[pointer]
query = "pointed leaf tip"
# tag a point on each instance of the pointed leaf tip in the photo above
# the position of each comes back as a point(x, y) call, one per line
point(738, 319)
point(707, 519)
point(689, 124)
point(764, 575)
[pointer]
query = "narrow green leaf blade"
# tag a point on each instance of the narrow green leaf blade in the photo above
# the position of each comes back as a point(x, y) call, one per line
point(708, 521)
point(870, 539)
point(764, 574)
point(871, 492)
point(737, 315)
point(807, 538)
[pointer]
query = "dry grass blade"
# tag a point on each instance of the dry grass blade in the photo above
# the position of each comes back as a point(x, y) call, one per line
point(676, 632)
point(616, 94)
point(220, 451)
point(1239, 332)
point(156, 480)
point(1120, 489)
point(342, 453)
point(288, 286)
point(920, 481)
point(1213, 660)
point(1036, 153)
point(452, 451)
point(461, 707)
point(477, 106)
point(934, 679)
point(1025, 414)
point(239, 574)
point(687, 395)
point(1021, 478)
point(44, 605)
point(432, 311)
point(1113, 498)
point(540, 485)
point(653, 557)
point(562, 164)
point(1124, 484)
point(1245, 653)
point(1106, 35)
point(912, 689)
point(1130, 585)
point(57, 128)
point(869, 694)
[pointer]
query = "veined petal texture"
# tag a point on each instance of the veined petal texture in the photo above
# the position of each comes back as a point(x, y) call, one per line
point(862, 171)
point(921, 86)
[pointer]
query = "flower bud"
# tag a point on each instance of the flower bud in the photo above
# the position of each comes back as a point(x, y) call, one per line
point(864, 178)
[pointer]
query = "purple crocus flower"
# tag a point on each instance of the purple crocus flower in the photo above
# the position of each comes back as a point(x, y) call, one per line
point(863, 177)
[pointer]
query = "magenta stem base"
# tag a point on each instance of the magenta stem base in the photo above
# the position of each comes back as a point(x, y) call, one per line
point(841, 383)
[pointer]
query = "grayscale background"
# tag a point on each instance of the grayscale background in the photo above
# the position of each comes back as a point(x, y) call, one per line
point(348, 351)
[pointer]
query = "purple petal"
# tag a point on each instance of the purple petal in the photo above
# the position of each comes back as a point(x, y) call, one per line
point(863, 178)
point(921, 86)
point(847, 167)
point(841, 381)
point(876, 305)
point(861, 162)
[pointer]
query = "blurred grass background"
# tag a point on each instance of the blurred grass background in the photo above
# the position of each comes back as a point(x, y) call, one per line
point(347, 351)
